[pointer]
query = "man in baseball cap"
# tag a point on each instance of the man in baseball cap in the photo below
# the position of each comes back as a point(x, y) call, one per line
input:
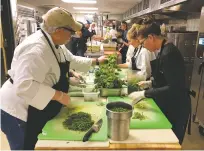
point(60, 24)
point(60, 17)
point(39, 79)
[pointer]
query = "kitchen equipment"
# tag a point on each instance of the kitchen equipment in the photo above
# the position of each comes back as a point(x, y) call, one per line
point(118, 122)
point(111, 46)
point(186, 44)
point(110, 92)
point(156, 119)
point(138, 101)
point(94, 129)
point(54, 129)
point(149, 136)
point(62, 145)
point(197, 83)
point(89, 95)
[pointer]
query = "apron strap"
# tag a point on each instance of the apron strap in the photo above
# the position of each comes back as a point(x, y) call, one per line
point(50, 44)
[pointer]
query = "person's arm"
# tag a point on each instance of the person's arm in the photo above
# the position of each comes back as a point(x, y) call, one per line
point(173, 70)
point(82, 64)
point(97, 37)
point(125, 43)
point(30, 73)
point(125, 65)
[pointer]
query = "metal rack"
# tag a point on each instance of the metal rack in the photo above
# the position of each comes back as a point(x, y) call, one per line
point(26, 23)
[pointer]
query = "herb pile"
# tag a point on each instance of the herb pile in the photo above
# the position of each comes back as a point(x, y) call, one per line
point(119, 109)
point(139, 116)
point(100, 104)
point(140, 105)
point(80, 121)
point(132, 84)
point(107, 76)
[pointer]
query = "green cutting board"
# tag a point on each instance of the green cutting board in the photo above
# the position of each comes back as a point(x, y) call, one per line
point(155, 118)
point(54, 129)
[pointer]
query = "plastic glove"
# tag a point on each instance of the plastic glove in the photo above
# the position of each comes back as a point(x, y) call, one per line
point(145, 84)
point(76, 75)
point(136, 96)
point(74, 81)
point(102, 59)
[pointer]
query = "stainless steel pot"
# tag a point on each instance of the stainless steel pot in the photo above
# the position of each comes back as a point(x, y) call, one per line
point(118, 122)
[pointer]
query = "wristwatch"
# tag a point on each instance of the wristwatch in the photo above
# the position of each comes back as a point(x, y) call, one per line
point(97, 62)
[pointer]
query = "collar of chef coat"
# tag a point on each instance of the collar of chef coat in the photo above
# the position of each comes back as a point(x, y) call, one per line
point(157, 52)
point(49, 37)
point(59, 55)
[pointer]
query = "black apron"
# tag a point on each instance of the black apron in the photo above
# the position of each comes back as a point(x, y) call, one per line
point(134, 59)
point(37, 119)
point(169, 107)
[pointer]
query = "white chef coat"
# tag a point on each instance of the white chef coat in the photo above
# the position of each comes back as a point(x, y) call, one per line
point(34, 70)
point(113, 33)
point(143, 62)
point(130, 53)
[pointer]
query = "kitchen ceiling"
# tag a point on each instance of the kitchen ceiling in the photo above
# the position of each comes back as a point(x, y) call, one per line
point(104, 6)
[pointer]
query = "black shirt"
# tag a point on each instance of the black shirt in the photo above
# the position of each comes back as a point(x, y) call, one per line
point(86, 34)
point(173, 69)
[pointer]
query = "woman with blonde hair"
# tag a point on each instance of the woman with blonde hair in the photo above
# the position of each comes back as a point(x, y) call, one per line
point(141, 57)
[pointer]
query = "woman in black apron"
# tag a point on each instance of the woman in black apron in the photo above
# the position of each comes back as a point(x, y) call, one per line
point(135, 57)
point(38, 118)
point(168, 85)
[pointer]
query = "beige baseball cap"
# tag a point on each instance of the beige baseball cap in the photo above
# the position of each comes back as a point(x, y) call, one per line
point(60, 17)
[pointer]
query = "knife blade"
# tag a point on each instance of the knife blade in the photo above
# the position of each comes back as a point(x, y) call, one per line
point(94, 129)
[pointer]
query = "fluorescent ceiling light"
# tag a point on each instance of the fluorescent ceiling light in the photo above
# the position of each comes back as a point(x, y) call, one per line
point(80, 1)
point(26, 7)
point(87, 12)
point(85, 8)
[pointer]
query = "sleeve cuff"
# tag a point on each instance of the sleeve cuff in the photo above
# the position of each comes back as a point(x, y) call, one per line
point(147, 93)
point(43, 97)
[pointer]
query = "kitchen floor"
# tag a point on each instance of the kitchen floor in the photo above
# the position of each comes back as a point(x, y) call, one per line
point(191, 142)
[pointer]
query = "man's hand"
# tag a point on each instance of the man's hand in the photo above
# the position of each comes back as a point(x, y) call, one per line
point(74, 81)
point(145, 84)
point(77, 75)
point(136, 96)
point(61, 97)
point(65, 100)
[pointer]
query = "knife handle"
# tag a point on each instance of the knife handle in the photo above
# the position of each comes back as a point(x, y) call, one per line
point(88, 135)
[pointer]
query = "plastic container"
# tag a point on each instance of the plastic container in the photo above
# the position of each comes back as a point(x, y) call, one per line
point(110, 92)
point(90, 96)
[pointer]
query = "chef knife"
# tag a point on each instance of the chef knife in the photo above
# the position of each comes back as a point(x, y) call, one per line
point(94, 129)
point(138, 101)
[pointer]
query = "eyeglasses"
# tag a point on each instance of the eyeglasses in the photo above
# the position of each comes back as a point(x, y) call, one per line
point(72, 31)
point(69, 29)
